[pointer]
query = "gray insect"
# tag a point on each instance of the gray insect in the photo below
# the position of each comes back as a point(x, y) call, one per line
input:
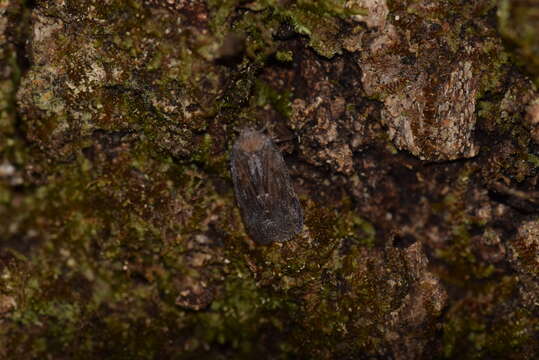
point(270, 208)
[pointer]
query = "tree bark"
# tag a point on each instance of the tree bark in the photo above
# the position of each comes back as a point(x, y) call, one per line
point(410, 130)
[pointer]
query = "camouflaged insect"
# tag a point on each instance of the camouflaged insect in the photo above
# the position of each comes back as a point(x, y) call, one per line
point(270, 208)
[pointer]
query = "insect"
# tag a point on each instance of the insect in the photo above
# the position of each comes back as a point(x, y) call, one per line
point(270, 208)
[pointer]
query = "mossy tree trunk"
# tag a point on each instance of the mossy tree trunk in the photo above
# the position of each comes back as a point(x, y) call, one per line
point(410, 130)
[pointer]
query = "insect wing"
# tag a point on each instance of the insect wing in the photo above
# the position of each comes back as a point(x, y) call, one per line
point(270, 208)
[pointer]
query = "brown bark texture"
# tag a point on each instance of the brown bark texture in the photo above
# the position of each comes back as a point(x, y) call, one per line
point(409, 131)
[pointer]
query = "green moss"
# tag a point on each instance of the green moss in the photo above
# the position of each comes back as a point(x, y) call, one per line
point(318, 20)
point(479, 323)
point(284, 56)
point(323, 285)
point(469, 334)
point(239, 316)
point(534, 160)
point(220, 13)
point(463, 263)
point(280, 101)
point(348, 225)
point(518, 24)
point(203, 152)
point(465, 269)
point(89, 205)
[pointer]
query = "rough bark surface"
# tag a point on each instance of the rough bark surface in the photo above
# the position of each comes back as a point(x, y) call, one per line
point(411, 133)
